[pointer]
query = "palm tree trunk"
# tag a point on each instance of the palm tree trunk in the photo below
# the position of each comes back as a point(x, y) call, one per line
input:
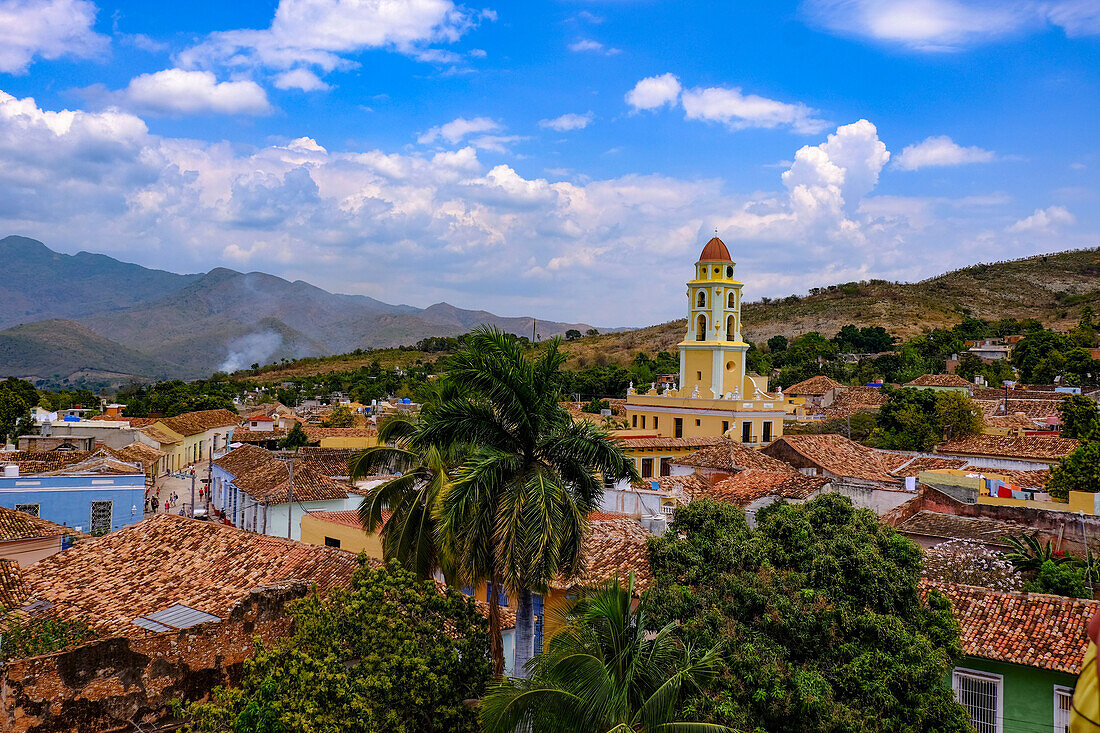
point(496, 641)
point(525, 631)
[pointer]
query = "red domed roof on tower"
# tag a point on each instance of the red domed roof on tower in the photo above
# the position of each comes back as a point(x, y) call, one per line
point(715, 251)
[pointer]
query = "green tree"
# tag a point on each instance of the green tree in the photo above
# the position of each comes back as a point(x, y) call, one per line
point(777, 344)
point(1079, 471)
point(1060, 579)
point(340, 417)
point(1080, 416)
point(572, 334)
point(605, 672)
point(389, 654)
point(517, 509)
point(957, 415)
point(295, 438)
point(821, 615)
point(592, 332)
point(595, 405)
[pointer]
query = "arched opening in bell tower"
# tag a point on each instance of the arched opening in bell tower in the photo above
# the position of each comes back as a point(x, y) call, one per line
point(701, 300)
point(701, 328)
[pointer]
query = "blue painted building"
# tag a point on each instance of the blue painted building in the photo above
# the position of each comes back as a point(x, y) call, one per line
point(95, 497)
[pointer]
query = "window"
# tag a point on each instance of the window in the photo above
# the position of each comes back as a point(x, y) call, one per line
point(1063, 698)
point(608, 483)
point(698, 423)
point(980, 694)
point(701, 328)
point(725, 426)
point(634, 421)
point(31, 509)
point(746, 432)
point(679, 431)
point(654, 422)
point(332, 542)
point(729, 272)
point(699, 376)
point(767, 431)
point(729, 330)
point(101, 517)
point(731, 301)
point(647, 468)
point(666, 466)
point(701, 300)
point(643, 422)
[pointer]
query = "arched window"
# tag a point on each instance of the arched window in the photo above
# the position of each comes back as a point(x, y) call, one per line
point(701, 328)
point(701, 300)
point(732, 301)
point(729, 329)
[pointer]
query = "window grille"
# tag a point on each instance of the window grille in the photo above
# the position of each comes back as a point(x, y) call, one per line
point(1063, 699)
point(980, 694)
point(32, 509)
point(101, 517)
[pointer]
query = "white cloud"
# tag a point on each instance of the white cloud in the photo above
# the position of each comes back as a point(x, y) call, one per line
point(583, 45)
point(654, 91)
point(569, 121)
point(324, 33)
point(47, 29)
point(180, 92)
point(1044, 220)
point(302, 79)
point(946, 25)
point(940, 151)
point(740, 111)
point(502, 238)
point(459, 128)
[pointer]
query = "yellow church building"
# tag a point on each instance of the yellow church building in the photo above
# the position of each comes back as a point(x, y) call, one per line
point(716, 395)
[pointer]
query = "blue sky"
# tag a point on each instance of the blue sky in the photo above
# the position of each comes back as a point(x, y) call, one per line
point(565, 159)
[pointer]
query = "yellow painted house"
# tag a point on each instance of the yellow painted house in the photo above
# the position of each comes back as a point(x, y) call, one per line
point(716, 395)
point(340, 529)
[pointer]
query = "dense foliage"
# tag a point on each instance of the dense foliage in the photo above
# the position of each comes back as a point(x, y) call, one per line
point(822, 618)
point(605, 672)
point(918, 419)
point(1080, 417)
point(22, 636)
point(390, 654)
point(175, 397)
point(17, 397)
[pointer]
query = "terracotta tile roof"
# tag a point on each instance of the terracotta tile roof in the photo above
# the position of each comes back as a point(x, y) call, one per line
point(1017, 421)
point(13, 588)
point(613, 525)
point(1034, 447)
point(135, 422)
point(747, 486)
point(715, 251)
point(666, 442)
point(1023, 479)
point(167, 559)
point(244, 435)
point(613, 549)
point(843, 457)
point(939, 380)
point(1034, 409)
point(33, 461)
point(161, 435)
point(137, 452)
point(925, 463)
point(346, 517)
point(855, 399)
point(950, 526)
point(687, 485)
point(332, 462)
point(813, 386)
point(575, 411)
point(193, 423)
point(729, 455)
point(101, 464)
point(22, 526)
point(1031, 629)
point(315, 433)
point(262, 476)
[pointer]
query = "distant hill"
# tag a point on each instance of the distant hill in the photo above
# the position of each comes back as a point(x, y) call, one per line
point(1053, 288)
point(144, 322)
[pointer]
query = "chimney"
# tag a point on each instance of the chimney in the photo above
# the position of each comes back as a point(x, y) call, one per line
point(11, 470)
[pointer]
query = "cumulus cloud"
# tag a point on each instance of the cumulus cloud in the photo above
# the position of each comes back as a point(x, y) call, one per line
point(569, 121)
point(1044, 220)
point(302, 79)
point(739, 111)
point(459, 128)
point(374, 221)
point(325, 33)
point(654, 91)
point(940, 151)
point(46, 29)
point(946, 25)
point(180, 92)
point(587, 45)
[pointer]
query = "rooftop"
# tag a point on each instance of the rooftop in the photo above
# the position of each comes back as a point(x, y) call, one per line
point(264, 477)
point(813, 386)
point(22, 526)
point(331, 462)
point(167, 559)
point(33, 461)
point(1032, 629)
point(13, 588)
point(137, 452)
point(747, 486)
point(1033, 447)
point(854, 399)
point(715, 251)
point(244, 435)
point(729, 455)
point(615, 546)
point(939, 380)
point(660, 441)
point(918, 464)
point(843, 457)
point(950, 526)
point(193, 423)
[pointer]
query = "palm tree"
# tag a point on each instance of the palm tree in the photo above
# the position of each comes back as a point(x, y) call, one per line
point(603, 672)
point(516, 510)
point(1028, 554)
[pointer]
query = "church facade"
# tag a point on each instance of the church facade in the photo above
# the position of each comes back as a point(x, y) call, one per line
point(716, 394)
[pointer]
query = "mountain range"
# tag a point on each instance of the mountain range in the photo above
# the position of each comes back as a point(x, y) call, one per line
point(94, 317)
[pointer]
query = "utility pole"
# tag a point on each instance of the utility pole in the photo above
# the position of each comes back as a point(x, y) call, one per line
point(192, 492)
point(290, 500)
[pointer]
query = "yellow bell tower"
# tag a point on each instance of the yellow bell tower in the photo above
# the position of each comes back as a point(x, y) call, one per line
point(712, 354)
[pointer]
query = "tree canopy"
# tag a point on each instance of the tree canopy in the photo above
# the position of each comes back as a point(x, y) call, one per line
point(823, 620)
point(390, 654)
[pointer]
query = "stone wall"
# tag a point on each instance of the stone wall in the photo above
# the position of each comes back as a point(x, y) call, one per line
point(112, 683)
